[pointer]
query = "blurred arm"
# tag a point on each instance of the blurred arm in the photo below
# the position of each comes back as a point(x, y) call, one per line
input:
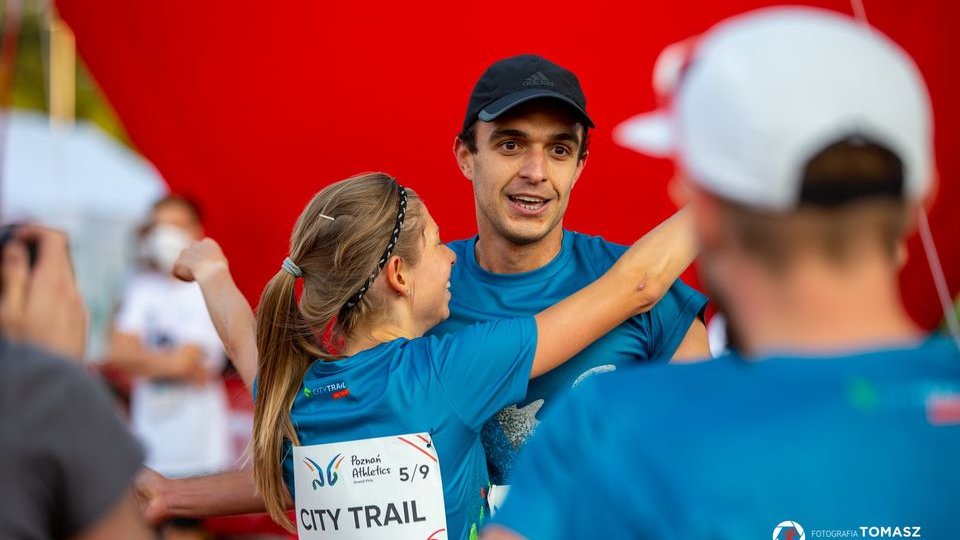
point(205, 263)
point(222, 494)
point(182, 363)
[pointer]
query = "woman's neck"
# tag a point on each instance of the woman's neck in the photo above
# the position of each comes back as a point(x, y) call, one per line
point(364, 339)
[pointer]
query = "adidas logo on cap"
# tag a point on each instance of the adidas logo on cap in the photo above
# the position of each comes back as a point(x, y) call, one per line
point(538, 79)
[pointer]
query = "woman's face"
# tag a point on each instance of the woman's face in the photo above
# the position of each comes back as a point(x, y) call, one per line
point(430, 287)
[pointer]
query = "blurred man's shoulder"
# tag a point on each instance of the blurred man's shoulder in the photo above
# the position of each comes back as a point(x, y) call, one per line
point(29, 370)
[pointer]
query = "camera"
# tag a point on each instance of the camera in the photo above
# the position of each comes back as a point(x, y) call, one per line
point(8, 233)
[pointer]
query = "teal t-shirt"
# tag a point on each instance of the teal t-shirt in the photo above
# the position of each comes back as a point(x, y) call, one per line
point(479, 296)
point(730, 449)
point(447, 386)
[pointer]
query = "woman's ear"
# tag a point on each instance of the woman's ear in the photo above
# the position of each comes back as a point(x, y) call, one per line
point(398, 278)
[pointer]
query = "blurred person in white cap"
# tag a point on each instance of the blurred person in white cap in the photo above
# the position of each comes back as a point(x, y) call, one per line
point(164, 337)
point(805, 142)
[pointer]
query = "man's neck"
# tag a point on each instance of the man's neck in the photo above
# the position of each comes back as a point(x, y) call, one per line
point(498, 255)
point(818, 311)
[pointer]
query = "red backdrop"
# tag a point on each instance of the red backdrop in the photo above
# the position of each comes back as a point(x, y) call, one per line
point(252, 106)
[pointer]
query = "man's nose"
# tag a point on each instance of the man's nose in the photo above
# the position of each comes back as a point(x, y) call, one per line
point(534, 167)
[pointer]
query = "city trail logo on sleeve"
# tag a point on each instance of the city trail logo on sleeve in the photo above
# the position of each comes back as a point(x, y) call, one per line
point(334, 390)
point(789, 530)
point(382, 488)
point(332, 469)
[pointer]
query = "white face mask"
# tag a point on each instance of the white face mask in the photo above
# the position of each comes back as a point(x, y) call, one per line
point(163, 245)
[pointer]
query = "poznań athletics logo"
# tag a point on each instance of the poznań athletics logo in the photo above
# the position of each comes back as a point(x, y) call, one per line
point(332, 469)
point(789, 530)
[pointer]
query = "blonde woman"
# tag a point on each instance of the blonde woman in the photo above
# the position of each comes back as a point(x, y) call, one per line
point(347, 364)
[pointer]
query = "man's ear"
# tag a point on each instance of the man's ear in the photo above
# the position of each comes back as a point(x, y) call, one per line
point(580, 165)
point(464, 157)
point(396, 272)
point(901, 254)
point(678, 189)
point(706, 214)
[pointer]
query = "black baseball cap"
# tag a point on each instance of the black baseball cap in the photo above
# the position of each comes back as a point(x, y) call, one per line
point(519, 79)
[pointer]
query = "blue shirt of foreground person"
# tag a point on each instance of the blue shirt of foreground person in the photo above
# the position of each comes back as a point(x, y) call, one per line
point(806, 141)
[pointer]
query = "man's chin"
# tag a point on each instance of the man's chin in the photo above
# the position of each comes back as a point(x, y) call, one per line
point(526, 234)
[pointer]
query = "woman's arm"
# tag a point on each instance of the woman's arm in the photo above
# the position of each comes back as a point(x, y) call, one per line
point(632, 285)
point(205, 263)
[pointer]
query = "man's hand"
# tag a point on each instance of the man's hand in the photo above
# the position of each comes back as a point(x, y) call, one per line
point(200, 260)
point(222, 494)
point(149, 488)
point(43, 305)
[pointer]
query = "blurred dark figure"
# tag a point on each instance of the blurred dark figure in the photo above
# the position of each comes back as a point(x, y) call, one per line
point(66, 460)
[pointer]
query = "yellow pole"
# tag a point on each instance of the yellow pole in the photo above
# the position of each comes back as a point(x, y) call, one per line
point(63, 72)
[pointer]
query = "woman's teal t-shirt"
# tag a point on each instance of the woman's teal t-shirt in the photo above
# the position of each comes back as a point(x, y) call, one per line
point(447, 386)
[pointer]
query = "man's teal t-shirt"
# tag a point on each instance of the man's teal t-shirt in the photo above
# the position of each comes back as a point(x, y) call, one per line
point(479, 295)
point(447, 386)
point(857, 446)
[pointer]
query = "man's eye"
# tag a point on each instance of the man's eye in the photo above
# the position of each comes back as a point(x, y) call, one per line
point(561, 150)
point(509, 146)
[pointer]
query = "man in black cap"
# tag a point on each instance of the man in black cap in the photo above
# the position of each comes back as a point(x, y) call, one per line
point(523, 145)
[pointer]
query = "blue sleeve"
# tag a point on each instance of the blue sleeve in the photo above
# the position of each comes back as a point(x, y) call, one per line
point(670, 319)
point(485, 367)
point(549, 473)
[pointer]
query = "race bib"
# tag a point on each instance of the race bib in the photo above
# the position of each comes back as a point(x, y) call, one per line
point(383, 488)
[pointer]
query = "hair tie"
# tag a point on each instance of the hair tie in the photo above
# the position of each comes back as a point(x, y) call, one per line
point(394, 237)
point(291, 268)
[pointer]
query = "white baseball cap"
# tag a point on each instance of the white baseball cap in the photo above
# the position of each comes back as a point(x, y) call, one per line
point(760, 94)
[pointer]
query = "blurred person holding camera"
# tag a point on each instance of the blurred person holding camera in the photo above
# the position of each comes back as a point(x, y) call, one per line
point(66, 459)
